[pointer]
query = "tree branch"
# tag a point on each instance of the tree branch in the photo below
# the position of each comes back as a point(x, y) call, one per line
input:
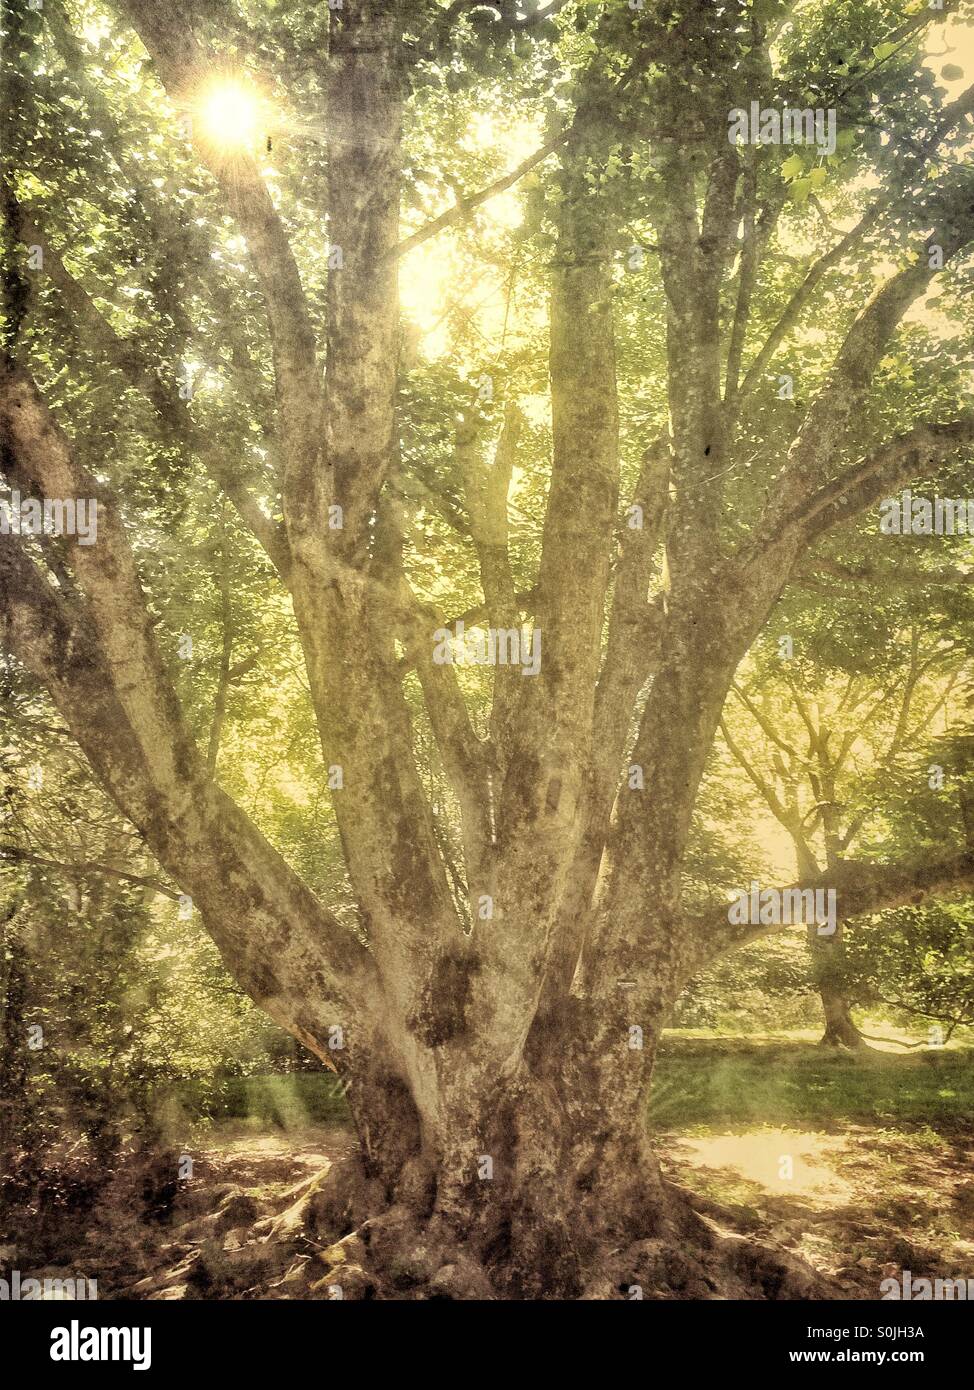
point(952, 114)
point(140, 880)
point(861, 889)
point(169, 35)
point(912, 454)
point(467, 206)
point(99, 660)
point(171, 409)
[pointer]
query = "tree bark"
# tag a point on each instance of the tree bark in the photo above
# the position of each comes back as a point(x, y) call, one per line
point(827, 955)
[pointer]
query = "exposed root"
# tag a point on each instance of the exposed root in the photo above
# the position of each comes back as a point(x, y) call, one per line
point(335, 1235)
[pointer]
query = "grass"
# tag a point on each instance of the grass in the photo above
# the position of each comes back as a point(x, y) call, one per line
point(275, 1100)
point(701, 1083)
point(736, 1083)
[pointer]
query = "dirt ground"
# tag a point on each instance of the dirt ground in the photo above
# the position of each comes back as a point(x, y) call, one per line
point(858, 1205)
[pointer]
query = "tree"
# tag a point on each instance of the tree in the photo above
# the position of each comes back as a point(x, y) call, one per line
point(494, 1011)
point(835, 762)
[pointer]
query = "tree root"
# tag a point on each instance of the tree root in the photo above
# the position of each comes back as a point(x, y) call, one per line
point(336, 1235)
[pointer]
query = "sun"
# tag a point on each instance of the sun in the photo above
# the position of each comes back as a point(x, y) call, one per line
point(230, 114)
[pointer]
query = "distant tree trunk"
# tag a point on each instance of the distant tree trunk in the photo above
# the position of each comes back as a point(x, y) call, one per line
point(840, 1030)
point(828, 950)
point(827, 960)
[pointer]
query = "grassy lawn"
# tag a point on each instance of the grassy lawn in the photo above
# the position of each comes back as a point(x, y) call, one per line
point(702, 1082)
point(739, 1082)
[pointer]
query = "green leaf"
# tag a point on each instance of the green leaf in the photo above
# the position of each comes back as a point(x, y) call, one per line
point(818, 176)
point(950, 72)
point(792, 167)
point(883, 50)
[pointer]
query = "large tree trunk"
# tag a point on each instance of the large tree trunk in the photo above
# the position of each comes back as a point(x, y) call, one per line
point(559, 1196)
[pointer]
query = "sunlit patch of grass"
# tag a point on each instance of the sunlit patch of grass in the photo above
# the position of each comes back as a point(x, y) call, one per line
point(739, 1083)
point(284, 1101)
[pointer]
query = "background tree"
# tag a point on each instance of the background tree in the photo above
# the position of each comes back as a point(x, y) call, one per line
point(837, 764)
